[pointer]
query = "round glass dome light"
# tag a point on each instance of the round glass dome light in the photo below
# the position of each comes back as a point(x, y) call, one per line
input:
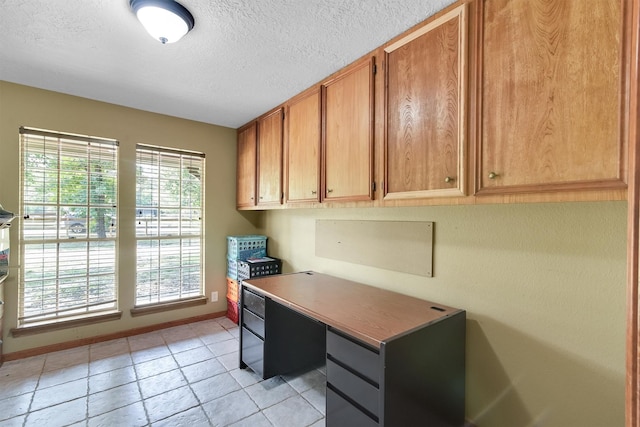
point(167, 21)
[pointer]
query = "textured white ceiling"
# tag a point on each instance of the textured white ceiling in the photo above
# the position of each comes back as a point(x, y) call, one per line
point(242, 58)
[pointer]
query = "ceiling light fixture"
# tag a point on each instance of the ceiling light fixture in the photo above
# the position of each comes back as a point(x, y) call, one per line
point(166, 20)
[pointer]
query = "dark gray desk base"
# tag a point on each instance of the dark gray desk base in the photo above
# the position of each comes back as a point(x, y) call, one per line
point(291, 342)
point(415, 379)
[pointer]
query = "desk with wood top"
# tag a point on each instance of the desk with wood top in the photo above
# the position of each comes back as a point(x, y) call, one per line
point(391, 359)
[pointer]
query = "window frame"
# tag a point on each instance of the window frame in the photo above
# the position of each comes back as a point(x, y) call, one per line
point(59, 297)
point(156, 211)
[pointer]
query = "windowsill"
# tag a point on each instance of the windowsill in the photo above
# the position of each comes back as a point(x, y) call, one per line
point(166, 306)
point(65, 324)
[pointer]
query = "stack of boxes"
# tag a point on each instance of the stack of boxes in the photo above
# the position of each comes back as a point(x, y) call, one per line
point(246, 258)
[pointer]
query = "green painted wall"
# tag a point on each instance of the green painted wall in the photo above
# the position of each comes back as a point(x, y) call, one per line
point(27, 106)
point(544, 289)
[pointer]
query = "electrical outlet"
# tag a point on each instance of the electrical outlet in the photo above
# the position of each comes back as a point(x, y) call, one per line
point(214, 296)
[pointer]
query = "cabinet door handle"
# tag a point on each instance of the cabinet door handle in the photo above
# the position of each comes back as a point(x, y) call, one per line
point(493, 175)
point(314, 192)
point(330, 190)
point(448, 179)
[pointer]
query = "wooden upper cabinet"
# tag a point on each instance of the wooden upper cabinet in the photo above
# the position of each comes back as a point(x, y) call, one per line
point(551, 83)
point(270, 158)
point(302, 164)
point(426, 85)
point(246, 167)
point(347, 149)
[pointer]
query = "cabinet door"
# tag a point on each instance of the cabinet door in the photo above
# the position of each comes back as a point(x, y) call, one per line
point(425, 147)
point(551, 105)
point(270, 158)
point(302, 121)
point(348, 134)
point(246, 168)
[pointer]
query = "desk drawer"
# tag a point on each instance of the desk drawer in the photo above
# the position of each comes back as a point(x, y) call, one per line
point(253, 302)
point(253, 322)
point(253, 351)
point(354, 387)
point(341, 413)
point(357, 357)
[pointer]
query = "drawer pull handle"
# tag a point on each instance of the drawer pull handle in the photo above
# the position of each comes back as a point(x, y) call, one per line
point(449, 179)
point(493, 175)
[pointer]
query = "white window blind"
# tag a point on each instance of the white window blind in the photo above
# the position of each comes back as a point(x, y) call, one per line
point(169, 211)
point(68, 230)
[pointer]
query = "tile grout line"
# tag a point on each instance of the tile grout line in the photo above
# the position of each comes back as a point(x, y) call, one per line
point(187, 381)
point(189, 384)
point(33, 396)
point(137, 381)
point(219, 350)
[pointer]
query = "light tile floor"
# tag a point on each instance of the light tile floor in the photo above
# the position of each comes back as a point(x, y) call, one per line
point(182, 376)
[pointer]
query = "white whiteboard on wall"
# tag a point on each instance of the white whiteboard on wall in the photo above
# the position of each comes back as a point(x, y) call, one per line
point(405, 246)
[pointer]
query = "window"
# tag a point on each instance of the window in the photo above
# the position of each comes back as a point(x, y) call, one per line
point(169, 201)
point(68, 231)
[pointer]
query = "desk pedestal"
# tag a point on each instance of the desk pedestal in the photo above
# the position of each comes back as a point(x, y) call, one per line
point(411, 372)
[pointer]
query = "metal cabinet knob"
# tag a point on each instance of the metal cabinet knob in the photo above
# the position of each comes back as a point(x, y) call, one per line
point(493, 175)
point(330, 190)
point(314, 192)
point(449, 179)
